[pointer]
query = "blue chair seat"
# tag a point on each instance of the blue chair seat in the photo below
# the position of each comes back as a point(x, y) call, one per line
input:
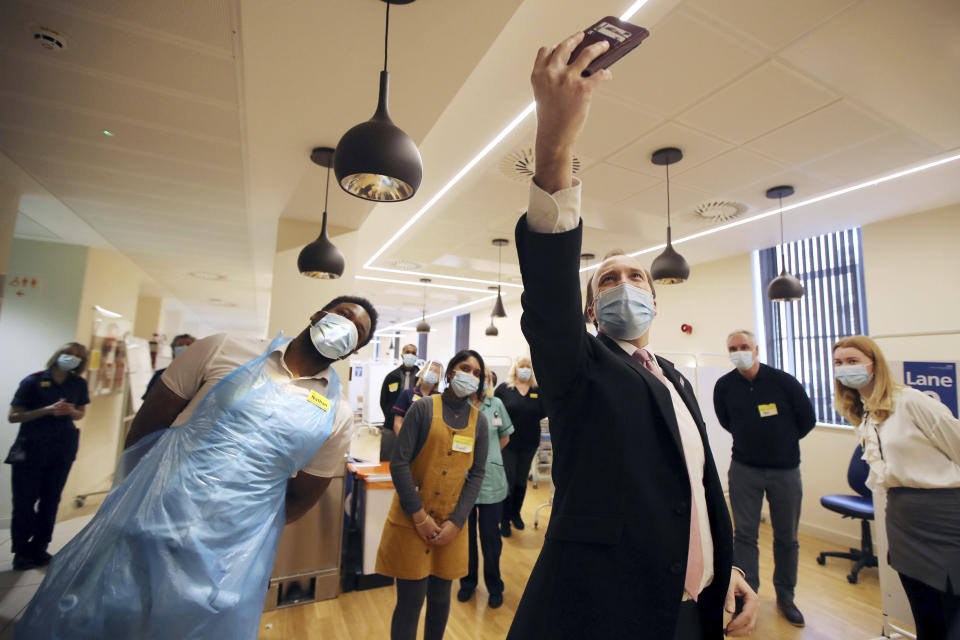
point(849, 505)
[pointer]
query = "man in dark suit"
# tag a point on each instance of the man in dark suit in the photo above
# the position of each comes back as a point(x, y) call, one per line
point(400, 379)
point(639, 542)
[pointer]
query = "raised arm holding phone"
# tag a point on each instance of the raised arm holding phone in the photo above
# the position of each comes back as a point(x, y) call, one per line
point(639, 542)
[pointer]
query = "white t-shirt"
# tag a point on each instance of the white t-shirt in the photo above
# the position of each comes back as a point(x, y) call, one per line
point(195, 371)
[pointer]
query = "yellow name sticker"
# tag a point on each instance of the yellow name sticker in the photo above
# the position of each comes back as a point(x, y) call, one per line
point(534, 395)
point(393, 386)
point(463, 444)
point(319, 400)
point(767, 410)
point(44, 383)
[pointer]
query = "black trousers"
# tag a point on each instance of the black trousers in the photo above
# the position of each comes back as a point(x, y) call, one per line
point(36, 496)
point(488, 517)
point(936, 613)
point(516, 464)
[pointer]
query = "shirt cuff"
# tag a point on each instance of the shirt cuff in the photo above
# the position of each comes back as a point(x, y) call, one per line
point(740, 571)
point(554, 213)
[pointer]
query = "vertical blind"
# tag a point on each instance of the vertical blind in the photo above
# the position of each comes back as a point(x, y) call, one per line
point(800, 335)
point(461, 332)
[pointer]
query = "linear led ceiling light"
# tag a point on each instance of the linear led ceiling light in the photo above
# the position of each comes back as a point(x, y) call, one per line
point(422, 284)
point(442, 312)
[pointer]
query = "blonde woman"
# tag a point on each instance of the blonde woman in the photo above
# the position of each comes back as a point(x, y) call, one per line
point(521, 397)
point(912, 443)
point(46, 404)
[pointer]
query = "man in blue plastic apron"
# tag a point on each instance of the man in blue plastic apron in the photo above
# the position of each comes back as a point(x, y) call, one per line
point(183, 545)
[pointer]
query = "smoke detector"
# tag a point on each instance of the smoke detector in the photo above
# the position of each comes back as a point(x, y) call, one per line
point(719, 211)
point(520, 165)
point(49, 39)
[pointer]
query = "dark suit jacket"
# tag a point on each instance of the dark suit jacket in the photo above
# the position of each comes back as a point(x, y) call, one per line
point(615, 554)
point(387, 397)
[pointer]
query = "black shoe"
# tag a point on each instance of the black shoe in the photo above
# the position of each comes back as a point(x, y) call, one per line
point(517, 523)
point(791, 613)
point(42, 558)
point(505, 529)
point(22, 563)
point(495, 600)
point(464, 594)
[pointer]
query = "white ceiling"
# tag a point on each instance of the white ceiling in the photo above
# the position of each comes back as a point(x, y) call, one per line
point(217, 103)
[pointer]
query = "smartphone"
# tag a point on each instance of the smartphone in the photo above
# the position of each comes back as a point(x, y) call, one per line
point(622, 36)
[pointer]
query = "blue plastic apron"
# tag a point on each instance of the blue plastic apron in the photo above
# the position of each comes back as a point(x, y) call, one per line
point(183, 546)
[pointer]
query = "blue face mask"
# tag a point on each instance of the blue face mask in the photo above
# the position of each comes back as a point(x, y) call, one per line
point(430, 377)
point(742, 360)
point(334, 336)
point(854, 376)
point(178, 350)
point(68, 362)
point(625, 312)
point(464, 384)
point(409, 359)
point(524, 373)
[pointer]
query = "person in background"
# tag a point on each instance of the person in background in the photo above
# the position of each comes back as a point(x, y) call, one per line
point(639, 543)
point(427, 384)
point(178, 346)
point(489, 507)
point(398, 380)
point(521, 397)
point(45, 405)
point(437, 469)
point(912, 443)
point(767, 411)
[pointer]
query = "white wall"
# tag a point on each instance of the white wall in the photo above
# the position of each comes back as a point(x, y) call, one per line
point(34, 326)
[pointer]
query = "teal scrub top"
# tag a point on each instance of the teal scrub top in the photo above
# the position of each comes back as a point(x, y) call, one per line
point(494, 487)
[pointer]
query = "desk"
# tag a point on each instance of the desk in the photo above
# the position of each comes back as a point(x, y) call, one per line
point(370, 500)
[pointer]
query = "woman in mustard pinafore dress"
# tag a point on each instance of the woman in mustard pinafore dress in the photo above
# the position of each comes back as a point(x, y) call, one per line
point(437, 468)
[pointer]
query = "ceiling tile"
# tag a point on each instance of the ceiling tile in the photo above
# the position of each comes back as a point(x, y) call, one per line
point(728, 172)
point(900, 59)
point(697, 148)
point(820, 133)
point(612, 124)
point(768, 97)
point(683, 60)
point(878, 156)
point(772, 23)
point(606, 183)
point(653, 201)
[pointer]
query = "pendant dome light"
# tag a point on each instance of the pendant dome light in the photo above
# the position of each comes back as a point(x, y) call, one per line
point(375, 159)
point(669, 267)
point(423, 326)
point(321, 259)
point(492, 329)
point(498, 310)
point(783, 288)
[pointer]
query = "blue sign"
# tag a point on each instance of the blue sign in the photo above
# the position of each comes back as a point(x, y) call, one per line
point(936, 379)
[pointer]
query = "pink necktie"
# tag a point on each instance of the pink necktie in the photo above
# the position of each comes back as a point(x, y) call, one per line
point(691, 582)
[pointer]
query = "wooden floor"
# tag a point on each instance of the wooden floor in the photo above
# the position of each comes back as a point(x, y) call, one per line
point(833, 608)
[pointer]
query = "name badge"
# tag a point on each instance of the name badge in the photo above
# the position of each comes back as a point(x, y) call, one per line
point(497, 420)
point(45, 383)
point(534, 395)
point(463, 444)
point(767, 410)
point(319, 400)
point(393, 386)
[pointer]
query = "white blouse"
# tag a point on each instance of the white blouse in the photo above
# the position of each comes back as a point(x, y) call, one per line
point(918, 445)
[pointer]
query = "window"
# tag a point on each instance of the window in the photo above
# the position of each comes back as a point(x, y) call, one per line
point(800, 335)
point(461, 332)
point(422, 345)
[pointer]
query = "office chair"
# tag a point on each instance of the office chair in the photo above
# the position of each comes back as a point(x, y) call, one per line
point(854, 506)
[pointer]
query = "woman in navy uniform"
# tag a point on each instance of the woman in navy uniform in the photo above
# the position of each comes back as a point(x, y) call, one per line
point(45, 405)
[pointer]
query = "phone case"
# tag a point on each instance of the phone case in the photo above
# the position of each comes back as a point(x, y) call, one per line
point(622, 36)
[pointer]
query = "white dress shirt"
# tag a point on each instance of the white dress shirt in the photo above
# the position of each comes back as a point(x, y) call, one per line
point(918, 445)
point(560, 212)
point(198, 369)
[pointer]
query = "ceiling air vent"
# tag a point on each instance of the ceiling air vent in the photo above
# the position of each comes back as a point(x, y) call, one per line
point(718, 211)
point(519, 165)
point(407, 265)
point(49, 39)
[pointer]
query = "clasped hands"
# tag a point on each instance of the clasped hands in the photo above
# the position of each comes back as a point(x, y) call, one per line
point(61, 408)
point(431, 532)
